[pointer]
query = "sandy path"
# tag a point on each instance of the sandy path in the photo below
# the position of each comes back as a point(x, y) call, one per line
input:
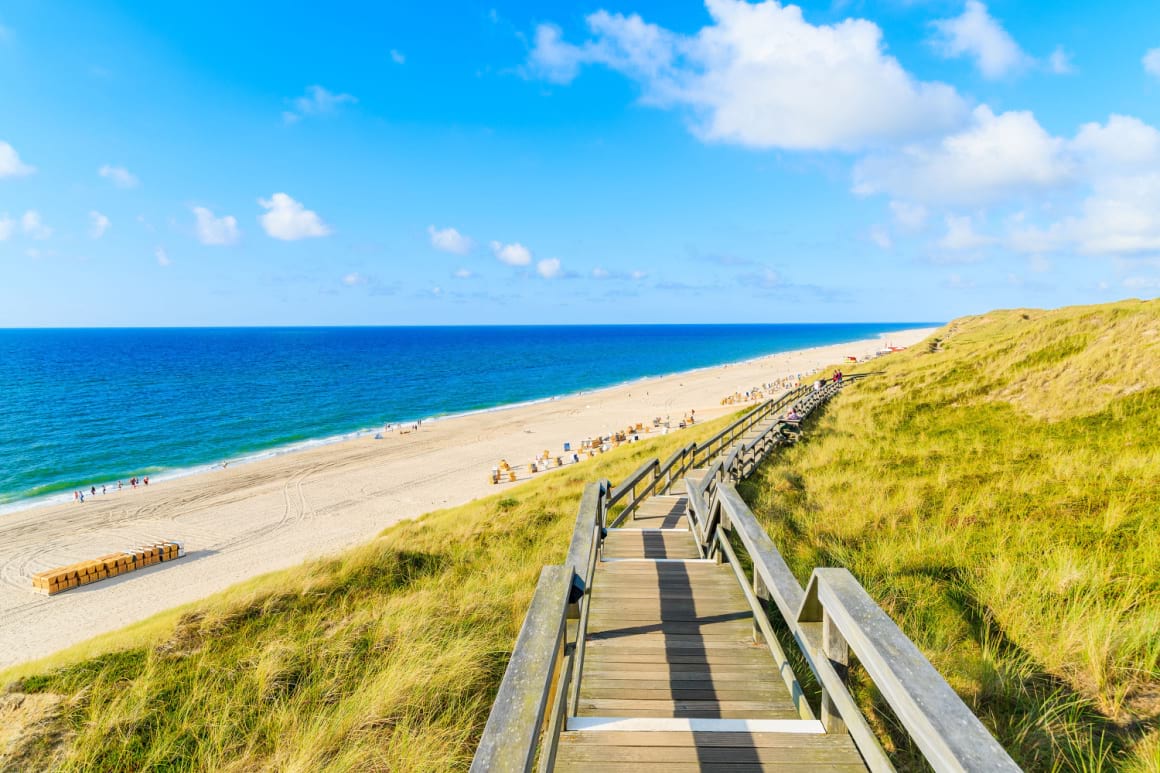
point(254, 518)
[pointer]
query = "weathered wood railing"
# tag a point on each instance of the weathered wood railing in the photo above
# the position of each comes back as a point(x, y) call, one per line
point(540, 688)
point(833, 618)
point(654, 477)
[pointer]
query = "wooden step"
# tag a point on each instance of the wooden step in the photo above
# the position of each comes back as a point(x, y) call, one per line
point(660, 543)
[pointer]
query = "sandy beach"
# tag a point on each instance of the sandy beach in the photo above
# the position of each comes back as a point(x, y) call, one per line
point(249, 519)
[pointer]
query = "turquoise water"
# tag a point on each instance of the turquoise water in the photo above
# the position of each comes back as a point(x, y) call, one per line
point(83, 407)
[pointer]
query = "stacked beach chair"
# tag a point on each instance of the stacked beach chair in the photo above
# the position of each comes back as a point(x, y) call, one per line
point(64, 578)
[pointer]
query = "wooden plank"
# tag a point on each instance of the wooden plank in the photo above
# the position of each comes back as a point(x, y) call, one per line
point(766, 755)
point(725, 672)
point(509, 738)
point(710, 692)
point(622, 627)
point(650, 551)
point(694, 728)
point(949, 734)
point(584, 766)
point(677, 661)
point(768, 709)
point(767, 562)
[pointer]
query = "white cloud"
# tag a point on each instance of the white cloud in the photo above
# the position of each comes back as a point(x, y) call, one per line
point(1120, 214)
point(1060, 62)
point(215, 230)
point(316, 101)
point(996, 156)
point(957, 282)
point(1124, 143)
point(33, 227)
point(1151, 62)
point(548, 268)
point(98, 224)
point(288, 220)
point(761, 76)
point(637, 275)
point(514, 254)
point(1039, 264)
point(880, 236)
point(354, 279)
point(397, 57)
point(1121, 217)
point(10, 163)
point(449, 240)
point(464, 273)
point(1142, 283)
point(909, 216)
point(7, 227)
point(600, 273)
point(162, 257)
point(978, 35)
point(119, 175)
point(961, 235)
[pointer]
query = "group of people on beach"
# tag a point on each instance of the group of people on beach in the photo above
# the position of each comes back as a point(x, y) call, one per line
point(79, 494)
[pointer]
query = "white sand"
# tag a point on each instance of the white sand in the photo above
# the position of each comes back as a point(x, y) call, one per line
point(255, 518)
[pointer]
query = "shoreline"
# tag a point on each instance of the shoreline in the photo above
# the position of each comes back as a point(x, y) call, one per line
point(166, 475)
point(279, 511)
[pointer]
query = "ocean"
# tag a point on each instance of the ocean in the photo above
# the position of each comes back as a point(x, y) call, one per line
point(86, 407)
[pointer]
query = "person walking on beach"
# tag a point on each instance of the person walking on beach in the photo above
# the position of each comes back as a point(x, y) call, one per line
point(76, 495)
point(93, 490)
point(118, 485)
point(104, 490)
point(82, 497)
point(146, 480)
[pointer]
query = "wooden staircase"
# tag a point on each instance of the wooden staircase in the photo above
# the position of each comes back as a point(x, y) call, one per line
point(674, 678)
point(654, 646)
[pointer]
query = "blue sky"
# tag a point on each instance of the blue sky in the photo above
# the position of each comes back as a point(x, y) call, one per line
point(250, 163)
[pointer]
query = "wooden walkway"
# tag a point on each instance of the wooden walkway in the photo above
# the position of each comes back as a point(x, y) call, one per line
point(673, 676)
point(653, 647)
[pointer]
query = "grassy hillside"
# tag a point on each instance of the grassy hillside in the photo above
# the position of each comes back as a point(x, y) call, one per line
point(384, 658)
point(998, 491)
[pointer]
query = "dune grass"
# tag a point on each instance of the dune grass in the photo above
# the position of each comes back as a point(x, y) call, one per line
point(997, 490)
point(384, 658)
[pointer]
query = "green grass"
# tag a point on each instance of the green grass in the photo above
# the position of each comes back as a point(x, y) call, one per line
point(997, 492)
point(384, 658)
point(999, 495)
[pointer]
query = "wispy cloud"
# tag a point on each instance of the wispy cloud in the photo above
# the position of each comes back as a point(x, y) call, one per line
point(449, 240)
point(98, 224)
point(316, 101)
point(1151, 62)
point(33, 226)
point(119, 176)
point(10, 163)
point(978, 35)
point(215, 230)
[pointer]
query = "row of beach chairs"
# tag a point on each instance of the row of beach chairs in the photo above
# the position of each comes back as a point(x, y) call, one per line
point(54, 581)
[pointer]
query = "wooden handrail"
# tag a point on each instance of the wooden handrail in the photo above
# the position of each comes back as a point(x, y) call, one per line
point(949, 735)
point(511, 737)
point(543, 675)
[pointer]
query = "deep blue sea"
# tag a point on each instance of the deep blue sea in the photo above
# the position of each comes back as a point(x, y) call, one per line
point(81, 407)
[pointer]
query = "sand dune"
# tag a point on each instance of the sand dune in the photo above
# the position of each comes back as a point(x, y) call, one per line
point(254, 518)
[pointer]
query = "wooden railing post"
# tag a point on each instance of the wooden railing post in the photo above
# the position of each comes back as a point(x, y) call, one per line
point(837, 651)
point(760, 591)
